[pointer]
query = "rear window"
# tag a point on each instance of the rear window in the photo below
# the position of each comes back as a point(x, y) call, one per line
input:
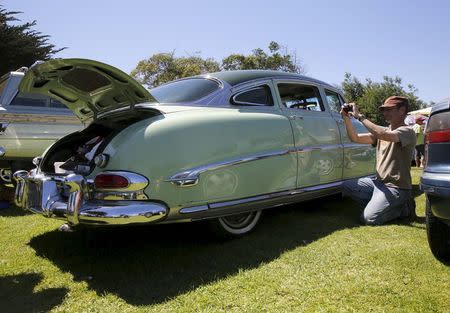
point(439, 121)
point(187, 90)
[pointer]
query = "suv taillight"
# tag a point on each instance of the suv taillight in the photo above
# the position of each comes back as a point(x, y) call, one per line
point(110, 181)
point(438, 136)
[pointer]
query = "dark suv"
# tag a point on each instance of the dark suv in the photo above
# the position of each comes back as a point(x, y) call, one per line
point(435, 181)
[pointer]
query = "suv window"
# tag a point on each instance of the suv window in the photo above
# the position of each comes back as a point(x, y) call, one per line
point(300, 96)
point(334, 101)
point(186, 90)
point(260, 95)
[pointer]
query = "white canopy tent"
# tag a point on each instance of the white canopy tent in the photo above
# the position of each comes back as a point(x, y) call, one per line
point(424, 111)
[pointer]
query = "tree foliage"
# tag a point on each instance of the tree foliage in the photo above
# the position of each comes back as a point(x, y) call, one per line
point(20, 45)
point(370, 95)
point(164, 67)
point(259, 59)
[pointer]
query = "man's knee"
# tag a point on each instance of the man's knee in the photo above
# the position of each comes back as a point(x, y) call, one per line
point(371, 219)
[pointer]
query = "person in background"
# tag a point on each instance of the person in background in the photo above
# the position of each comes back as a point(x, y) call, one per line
point(388, 196)
point(418, 129)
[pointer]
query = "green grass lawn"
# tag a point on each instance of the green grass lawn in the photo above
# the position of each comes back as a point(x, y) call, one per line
point(311, 257)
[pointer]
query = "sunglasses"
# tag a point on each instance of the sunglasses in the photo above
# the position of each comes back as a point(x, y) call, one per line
point(388, 108)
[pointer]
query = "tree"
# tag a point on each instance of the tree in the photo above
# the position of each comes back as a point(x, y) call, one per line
point(274, 60)
point(164, 67)
point(20, 45)
point(370, 95)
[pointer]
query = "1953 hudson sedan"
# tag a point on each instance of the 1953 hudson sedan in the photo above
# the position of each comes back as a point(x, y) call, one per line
point(221, 146)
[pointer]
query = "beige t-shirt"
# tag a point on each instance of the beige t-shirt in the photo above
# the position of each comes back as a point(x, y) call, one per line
point(394, 159)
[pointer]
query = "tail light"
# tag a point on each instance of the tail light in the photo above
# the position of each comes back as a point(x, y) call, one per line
point(438, 136)
point(111, 181)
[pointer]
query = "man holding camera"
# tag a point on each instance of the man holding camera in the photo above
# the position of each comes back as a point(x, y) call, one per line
point(388, 196)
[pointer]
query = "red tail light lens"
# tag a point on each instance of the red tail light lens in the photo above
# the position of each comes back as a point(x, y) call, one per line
point(110, 181)
point(438, 136)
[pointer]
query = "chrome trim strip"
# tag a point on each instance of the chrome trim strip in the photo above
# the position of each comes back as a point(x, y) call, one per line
point(315, 148)
point(194, 209)
point(190, 177)
point(270, 196)
point(356, 145)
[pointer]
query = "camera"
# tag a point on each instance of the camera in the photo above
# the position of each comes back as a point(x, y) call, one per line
point(347, 108)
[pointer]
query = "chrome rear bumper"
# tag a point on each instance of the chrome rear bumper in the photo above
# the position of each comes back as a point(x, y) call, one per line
point(67, 197)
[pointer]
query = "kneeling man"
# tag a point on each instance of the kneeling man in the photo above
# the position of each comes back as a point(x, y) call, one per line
point(388, 196)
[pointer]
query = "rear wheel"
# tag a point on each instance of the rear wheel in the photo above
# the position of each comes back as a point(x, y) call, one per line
point(438, 234)
point(235, 225)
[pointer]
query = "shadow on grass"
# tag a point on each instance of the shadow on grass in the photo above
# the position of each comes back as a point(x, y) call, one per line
point(148, 265)
point(13, 211)
point(16, 294)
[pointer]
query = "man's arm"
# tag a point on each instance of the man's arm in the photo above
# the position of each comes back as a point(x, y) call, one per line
point(366, 138)
point(377, 132)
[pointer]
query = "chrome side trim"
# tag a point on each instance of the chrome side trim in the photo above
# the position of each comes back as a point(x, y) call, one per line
point(356, 145)
point(283, 197)
point(190, 177)
point(194, 209)
point(315, 148)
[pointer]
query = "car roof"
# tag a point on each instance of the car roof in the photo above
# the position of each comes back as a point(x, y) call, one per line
point(241, 76)
point(441, 106)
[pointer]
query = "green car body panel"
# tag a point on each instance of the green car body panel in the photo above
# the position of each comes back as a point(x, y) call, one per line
point(165, 145)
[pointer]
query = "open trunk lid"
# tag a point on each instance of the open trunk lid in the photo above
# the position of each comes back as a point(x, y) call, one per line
point(87, 87)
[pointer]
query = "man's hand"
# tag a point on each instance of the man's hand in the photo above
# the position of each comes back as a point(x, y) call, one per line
point(355, 111)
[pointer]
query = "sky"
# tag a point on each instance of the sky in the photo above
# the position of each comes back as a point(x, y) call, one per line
point(369, 39)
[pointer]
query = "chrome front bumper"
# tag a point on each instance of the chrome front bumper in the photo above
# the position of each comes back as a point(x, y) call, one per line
point(68, 198)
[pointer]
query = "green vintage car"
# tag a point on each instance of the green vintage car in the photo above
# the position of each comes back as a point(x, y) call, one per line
point(221, 146)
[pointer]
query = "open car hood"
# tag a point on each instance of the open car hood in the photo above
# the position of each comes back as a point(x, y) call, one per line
point(86, 87)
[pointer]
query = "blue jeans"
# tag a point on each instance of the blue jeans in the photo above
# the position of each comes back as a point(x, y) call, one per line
point(381, 203)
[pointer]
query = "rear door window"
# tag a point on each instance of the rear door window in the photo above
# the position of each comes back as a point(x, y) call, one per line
point(302, 97)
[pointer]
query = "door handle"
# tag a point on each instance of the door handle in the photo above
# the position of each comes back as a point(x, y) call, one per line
point(293, 117)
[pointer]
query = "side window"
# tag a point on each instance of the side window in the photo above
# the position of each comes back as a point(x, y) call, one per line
point(334, 101)
point(302, 97)
point(260, 95)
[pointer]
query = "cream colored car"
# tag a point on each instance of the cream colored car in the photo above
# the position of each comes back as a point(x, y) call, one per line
point(29, 123)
